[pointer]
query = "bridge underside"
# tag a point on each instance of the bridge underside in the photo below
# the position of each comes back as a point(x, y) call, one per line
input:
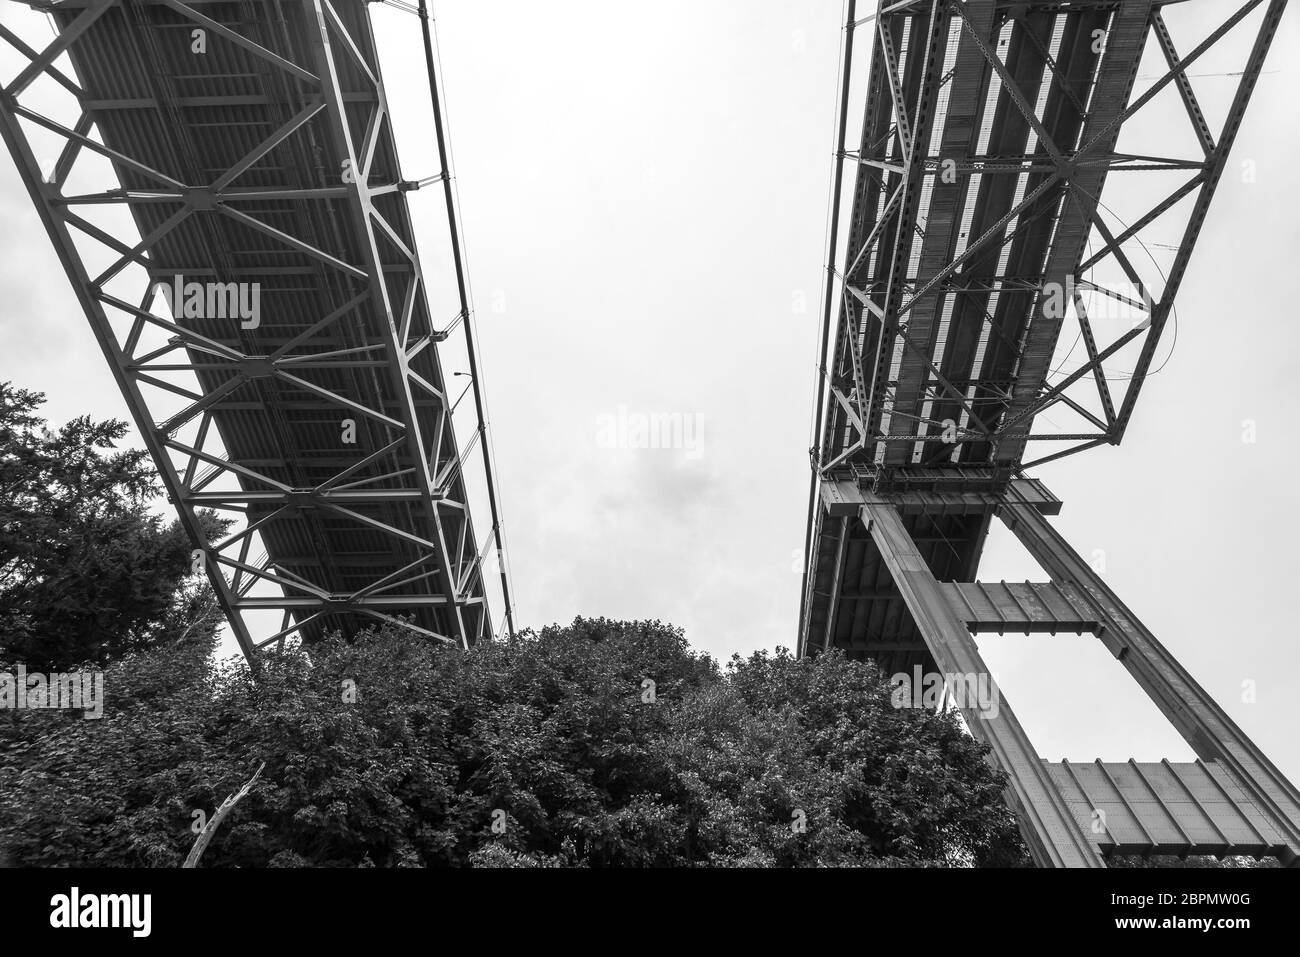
point(248, 148)
point(962, 307)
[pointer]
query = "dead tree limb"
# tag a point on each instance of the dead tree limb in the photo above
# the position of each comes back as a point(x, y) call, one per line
point(209, 829)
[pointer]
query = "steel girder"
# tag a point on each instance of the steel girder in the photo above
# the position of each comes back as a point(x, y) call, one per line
point(1253, 809)
point(968, 216)
point(1189, 708)
point(373, 528)
point(942, 350)
point(890, 385)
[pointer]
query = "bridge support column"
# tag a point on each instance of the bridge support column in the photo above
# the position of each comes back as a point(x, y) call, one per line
point(1202, 723)
point(1054, 838)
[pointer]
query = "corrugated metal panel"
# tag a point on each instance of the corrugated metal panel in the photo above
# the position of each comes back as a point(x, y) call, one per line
point(1165, 808)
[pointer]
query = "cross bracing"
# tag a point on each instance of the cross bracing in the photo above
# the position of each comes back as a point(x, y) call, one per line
point(1008, 240)
point(246, 151)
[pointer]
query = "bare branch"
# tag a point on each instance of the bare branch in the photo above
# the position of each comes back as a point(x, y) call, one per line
point(209, 829)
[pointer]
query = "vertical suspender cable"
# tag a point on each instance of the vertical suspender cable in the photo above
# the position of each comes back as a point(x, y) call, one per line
point(464, 305)
point(832, 247)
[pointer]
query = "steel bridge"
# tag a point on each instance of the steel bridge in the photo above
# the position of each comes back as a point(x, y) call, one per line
point(965, 269)
point(242, 156)
point(245, 151)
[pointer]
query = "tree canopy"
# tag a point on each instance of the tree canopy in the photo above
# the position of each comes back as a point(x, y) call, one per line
point(87, 572)
point(597, 744)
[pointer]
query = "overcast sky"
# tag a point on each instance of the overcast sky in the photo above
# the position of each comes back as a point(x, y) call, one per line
point(644, 193)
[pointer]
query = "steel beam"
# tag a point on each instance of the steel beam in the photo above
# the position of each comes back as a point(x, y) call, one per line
point(1188, 707)
point(1049, 828)
point(394, 487)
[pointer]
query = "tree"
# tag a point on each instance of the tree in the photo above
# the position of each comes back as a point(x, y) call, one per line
point(87, 572)
point(598, 744)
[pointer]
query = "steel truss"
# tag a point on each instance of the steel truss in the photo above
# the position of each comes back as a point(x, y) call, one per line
point(990, 130)
point(889, 306)
point(382, 529)
point(1233, 800)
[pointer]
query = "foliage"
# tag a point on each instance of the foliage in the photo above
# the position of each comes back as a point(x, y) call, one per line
point(86, 571)
point(393, 752)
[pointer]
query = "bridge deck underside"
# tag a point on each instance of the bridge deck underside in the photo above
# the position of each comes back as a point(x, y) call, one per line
point(870, 618)
point(974, 346)
point(193, 118)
